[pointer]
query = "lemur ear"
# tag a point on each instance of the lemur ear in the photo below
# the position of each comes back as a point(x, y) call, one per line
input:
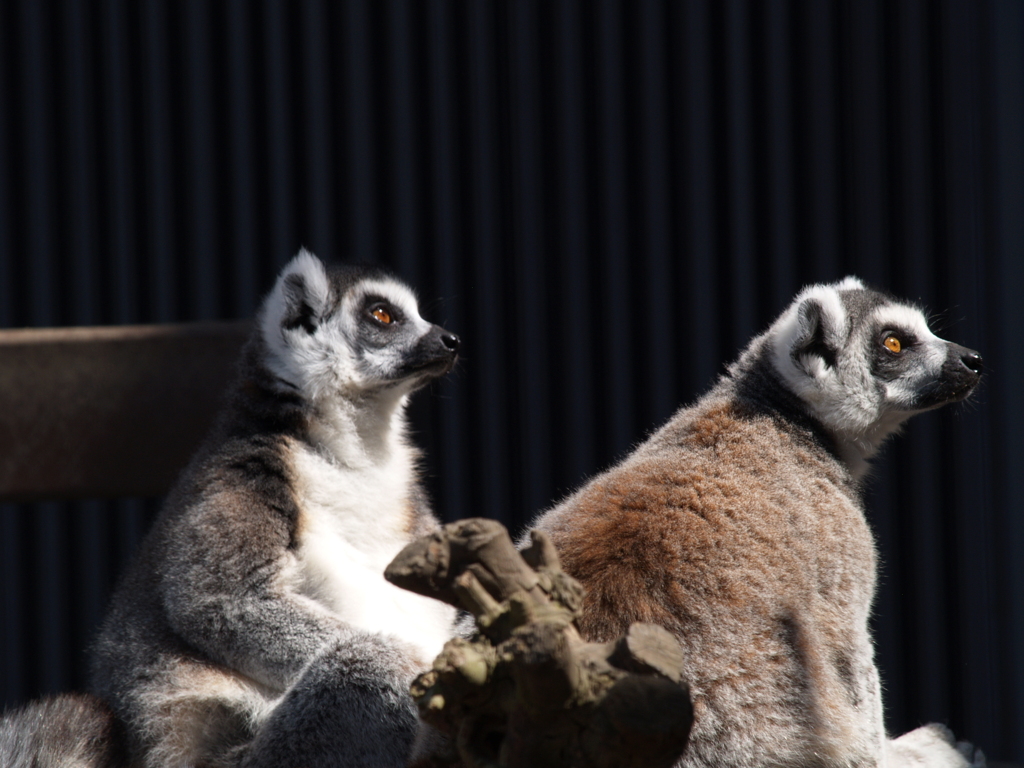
point(807, 338)
point(814, 336)
point(850, 283)
point(305, 292)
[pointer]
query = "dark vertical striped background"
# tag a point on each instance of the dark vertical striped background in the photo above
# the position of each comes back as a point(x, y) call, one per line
point(605, 198)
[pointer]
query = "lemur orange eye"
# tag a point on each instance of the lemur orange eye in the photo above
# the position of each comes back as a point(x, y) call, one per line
point(381, 315)
point(892, 344)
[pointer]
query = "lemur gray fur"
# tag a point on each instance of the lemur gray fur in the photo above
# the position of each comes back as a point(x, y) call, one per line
point(254, 627)
point(739, 526)
point(65, 731)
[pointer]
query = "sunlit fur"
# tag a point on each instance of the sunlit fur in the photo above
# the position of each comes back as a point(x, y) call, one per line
point(739, 526)
point(255, 628)
point(329, 362)
point(65, 731)
point(845, 397)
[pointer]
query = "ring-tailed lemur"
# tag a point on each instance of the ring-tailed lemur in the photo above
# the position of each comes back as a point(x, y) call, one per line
point(255, 627)
point(739, 526)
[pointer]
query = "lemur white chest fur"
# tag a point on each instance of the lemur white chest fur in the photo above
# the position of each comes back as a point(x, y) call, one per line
point(355, 516)
point(355, 356)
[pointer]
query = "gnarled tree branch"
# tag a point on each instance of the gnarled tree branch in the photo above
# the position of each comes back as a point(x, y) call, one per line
point(525, 691)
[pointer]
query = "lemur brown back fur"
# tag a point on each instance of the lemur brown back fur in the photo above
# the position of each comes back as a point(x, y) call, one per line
point(753, 575)
point(739, 526)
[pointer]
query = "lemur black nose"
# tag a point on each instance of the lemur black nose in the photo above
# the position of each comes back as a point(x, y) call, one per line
point(973, 361)
point(451, 341)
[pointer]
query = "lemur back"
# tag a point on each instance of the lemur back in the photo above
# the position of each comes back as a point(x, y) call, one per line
point(255, 627)
point(739, 526)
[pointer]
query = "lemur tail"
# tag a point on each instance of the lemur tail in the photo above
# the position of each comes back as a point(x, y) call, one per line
point(66, 731)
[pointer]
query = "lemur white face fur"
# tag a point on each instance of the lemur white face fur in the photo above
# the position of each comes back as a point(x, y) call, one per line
point(863, 363)
point(353, 332)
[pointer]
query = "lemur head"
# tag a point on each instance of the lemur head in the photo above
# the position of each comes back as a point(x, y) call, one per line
point(863, 363)
point(349, 331)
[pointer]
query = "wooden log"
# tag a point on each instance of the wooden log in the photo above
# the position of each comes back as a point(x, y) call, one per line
point(108, 412)
point(525, 691)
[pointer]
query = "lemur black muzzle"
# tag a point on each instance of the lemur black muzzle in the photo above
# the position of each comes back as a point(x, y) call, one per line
point(435, 353)
point(972, 360)
point(958, 377)
point(451, 341)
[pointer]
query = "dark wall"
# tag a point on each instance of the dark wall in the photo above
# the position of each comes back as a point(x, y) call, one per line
point(605, 199)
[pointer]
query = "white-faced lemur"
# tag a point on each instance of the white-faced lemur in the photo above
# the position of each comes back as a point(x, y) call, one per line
point(255, 627)
point(739, 526)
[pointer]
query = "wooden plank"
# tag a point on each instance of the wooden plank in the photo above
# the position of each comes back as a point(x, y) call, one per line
point(106, 412)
